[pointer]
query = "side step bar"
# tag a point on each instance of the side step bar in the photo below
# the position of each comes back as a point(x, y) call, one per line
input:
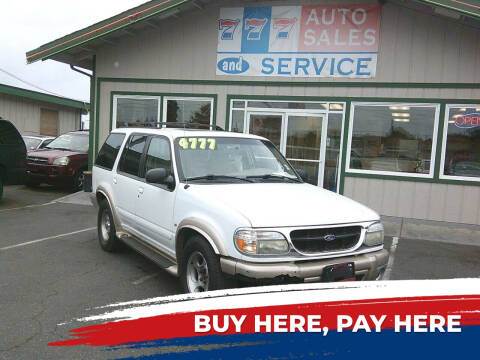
point(148, 251)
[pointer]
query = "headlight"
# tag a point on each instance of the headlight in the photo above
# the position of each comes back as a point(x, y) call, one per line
point(64, 160)
point(374, 235)
point(253, 242)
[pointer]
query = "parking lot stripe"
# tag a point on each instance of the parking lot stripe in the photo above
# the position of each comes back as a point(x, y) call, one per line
point(45, 239)
point(391, 258)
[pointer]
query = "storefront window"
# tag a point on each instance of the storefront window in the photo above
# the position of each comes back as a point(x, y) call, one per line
point(136, 111)
point(198, 111)
point(237, 121)
point(395, 139)
point(462, 146)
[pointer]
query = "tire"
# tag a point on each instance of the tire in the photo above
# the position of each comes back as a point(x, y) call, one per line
point(106, 228)
point(1, 187)
point(200, 267)
point(78, 181)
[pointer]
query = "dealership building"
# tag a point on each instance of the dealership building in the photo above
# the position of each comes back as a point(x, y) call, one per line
point(376, 100)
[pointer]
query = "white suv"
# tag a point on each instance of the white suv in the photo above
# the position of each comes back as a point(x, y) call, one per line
point(215, 207)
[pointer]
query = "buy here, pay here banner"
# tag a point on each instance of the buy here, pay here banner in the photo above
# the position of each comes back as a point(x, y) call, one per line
point(299, 41)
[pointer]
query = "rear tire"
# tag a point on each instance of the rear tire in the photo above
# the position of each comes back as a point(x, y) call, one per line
point(106, 228)
point(200, 268)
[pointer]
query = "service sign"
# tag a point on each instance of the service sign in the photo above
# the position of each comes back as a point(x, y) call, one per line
point(299, 41)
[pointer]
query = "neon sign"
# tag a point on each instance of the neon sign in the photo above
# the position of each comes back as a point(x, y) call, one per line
point(467, 121)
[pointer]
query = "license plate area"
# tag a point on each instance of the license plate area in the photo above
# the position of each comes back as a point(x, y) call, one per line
point(339, 272)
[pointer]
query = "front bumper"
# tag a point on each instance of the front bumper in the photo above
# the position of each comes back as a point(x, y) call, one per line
point(49, 174)
point(368, 266)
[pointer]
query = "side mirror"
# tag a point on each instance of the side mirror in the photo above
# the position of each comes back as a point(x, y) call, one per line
point(159, 176)
point(156, 176)
point(303, 174)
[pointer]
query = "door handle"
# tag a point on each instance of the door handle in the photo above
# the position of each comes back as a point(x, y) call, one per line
point(140, 190)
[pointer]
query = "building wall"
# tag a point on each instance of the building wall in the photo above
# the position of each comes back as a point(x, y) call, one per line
point(25, 114)
point(414, 47)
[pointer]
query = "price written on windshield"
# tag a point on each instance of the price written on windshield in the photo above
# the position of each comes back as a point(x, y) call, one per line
point(198, 143)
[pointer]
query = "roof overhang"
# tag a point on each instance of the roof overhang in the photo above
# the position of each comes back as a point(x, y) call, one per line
point(38, 96)
point(79, 47)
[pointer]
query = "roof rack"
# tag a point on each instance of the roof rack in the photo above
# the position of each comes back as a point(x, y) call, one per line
point(176, 125)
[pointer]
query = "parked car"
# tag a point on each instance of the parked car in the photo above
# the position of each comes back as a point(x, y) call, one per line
point(60, 163)
point(12, 155)
point(215, 206)
point(35, 142)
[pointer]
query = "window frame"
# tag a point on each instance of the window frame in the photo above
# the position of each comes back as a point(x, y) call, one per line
point(137, 97)
point(444, 140)
point(186, 98)
point(433, 154)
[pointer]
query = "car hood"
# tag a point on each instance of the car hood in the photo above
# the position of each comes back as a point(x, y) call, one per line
point(53, 153)
point(285, 204)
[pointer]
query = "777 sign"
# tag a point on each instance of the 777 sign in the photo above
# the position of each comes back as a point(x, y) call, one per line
point(228, 27)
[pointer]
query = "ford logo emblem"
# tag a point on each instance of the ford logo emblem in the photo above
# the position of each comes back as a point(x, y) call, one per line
point(329, 237)
point(233, 65)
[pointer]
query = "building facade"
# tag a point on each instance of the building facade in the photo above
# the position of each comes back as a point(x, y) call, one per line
point(379, 101)
point(35, 113)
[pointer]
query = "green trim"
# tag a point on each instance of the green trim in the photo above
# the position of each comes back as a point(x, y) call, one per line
point(413, 179)
point(343, 164)
point(91, 119)
point(97, 117)
point(297, 83)
point(35, 95)
point(102, 28)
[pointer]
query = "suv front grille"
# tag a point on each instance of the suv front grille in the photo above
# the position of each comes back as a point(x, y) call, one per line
point(37, 160)
point(322, 240)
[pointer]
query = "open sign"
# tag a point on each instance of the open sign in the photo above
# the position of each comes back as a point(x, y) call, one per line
point(468, 121)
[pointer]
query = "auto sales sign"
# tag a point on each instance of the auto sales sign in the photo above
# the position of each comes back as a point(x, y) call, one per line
point(299, 41)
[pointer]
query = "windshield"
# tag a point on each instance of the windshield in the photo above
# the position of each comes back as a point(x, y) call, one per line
point(225, 159)
point(71, 142)
point(31, 143)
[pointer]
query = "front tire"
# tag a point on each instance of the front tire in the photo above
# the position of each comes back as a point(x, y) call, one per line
point(106, 228)
point(78, 181)
point(200, 267)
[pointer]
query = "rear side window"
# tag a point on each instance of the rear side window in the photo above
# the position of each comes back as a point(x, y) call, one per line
point(132, 154)
point(109, 151)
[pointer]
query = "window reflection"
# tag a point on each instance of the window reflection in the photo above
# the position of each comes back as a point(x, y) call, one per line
point(392, 138)
point(462, 152)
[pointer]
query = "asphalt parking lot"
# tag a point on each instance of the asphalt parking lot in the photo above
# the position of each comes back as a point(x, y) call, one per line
point(52, 271)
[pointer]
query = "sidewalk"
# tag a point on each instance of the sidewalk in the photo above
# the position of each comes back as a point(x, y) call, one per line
point(452, 233)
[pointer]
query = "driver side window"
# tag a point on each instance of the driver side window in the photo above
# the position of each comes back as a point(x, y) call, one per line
point(158, 155)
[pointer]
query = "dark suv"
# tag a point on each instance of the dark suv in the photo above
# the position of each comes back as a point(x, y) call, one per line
point(12, 155)
point(60, 163)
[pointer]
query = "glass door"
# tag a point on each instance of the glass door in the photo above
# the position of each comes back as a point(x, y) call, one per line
point(268, 125)
point(305, 139)
point(301, 137)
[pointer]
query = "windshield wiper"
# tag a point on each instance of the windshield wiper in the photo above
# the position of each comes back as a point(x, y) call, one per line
point(57, 148)
point(217, 177)
point(274, 176)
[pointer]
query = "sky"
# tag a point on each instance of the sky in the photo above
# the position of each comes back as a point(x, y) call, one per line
point(27, 24)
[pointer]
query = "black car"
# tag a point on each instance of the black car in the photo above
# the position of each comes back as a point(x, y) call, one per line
point(12, 155)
